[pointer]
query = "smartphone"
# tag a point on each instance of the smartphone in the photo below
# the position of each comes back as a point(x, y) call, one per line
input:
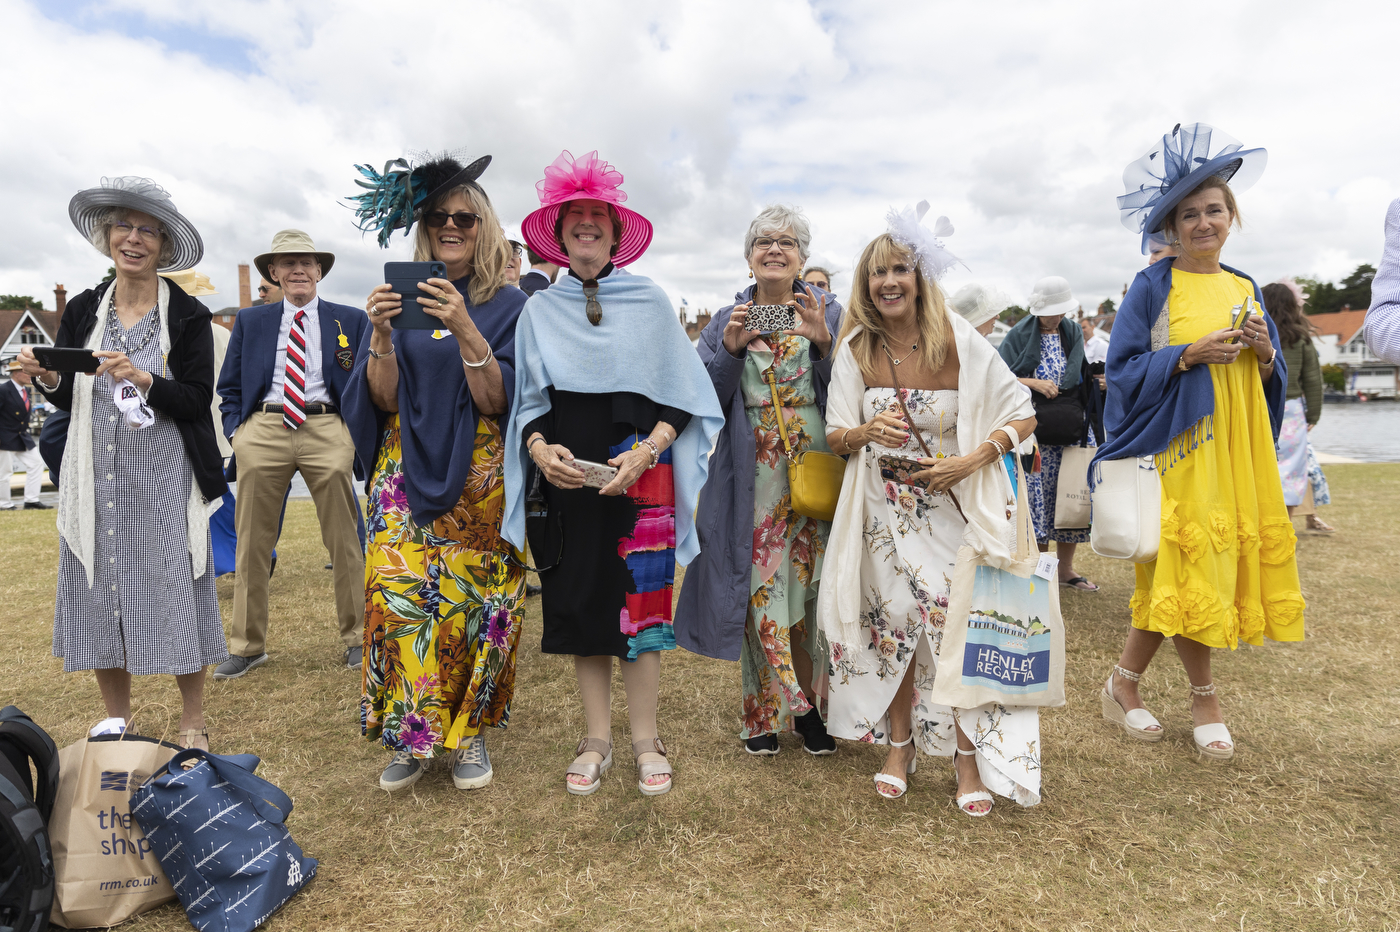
point(595, 475)
point(770, 318)
point(900, 469)
point(66, 359)
point(403, 279)
point(1241, 312)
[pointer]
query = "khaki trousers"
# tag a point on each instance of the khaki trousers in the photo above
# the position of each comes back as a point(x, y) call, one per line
point(268, 454)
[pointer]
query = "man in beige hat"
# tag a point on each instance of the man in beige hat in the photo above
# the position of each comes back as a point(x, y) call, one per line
point(16, 442)
point(280, 386)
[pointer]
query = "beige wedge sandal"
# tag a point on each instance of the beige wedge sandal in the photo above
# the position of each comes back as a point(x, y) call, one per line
point(592, 772)
point(1214, 733)
point(1139, 723)
point(648, 769)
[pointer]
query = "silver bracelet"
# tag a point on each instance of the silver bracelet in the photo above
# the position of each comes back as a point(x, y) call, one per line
point(374, 355)
point(1001, 451)
point(478, 365)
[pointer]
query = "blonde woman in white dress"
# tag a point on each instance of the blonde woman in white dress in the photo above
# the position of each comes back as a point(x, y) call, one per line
point(893, 544)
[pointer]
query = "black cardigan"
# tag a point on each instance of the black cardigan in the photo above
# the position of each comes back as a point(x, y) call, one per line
point(184, 397)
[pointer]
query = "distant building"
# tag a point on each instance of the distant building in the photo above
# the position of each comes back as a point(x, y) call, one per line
point(31, 327)
point(693, 328)
point(1340, 341)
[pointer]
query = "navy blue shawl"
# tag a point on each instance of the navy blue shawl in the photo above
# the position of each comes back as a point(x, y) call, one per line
point(437, 419)
point(1148, 406)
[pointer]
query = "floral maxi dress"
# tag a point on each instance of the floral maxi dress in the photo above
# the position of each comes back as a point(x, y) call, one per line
point(787, 546)
point(443, 608)
point(911, 544)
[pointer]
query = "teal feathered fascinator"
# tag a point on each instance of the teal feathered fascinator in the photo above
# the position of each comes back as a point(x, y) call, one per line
point(396, 197)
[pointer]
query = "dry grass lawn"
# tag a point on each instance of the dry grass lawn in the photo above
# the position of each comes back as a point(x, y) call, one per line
point(1297, 833)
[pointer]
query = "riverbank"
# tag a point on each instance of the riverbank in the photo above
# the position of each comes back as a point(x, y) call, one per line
point(1296, 833)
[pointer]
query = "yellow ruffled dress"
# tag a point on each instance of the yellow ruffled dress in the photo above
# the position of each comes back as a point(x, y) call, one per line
point(1226, 570)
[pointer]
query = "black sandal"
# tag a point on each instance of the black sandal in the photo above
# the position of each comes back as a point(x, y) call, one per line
point(1074, 584)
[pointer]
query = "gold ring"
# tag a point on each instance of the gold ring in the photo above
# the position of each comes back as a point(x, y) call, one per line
point(442, 301)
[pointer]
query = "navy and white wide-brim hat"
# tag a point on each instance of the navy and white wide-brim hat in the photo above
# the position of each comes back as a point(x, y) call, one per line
point(1175, 166)
point(87, 208)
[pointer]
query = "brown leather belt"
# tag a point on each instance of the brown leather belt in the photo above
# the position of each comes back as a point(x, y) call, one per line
point(315, 407)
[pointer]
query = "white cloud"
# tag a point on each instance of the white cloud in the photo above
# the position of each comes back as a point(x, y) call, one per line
point(1014, 119)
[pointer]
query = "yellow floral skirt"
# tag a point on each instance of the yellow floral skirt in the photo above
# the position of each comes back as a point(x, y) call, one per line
point(1226, 570)
point(443, 608)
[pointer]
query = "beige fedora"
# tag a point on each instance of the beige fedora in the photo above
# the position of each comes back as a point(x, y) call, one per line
point(292, 241)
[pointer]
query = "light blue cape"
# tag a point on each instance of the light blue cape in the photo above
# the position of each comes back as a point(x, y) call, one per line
point(639, 347)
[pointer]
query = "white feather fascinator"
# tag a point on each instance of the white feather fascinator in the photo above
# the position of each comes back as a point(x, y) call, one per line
point(933, 257)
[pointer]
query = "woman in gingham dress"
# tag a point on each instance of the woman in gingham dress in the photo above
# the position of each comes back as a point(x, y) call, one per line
point(136, 576)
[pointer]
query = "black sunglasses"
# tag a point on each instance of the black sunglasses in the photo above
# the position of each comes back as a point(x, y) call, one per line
point(439, 218)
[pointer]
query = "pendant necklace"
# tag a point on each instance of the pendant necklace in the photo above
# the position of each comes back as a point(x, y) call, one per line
point(913, 348)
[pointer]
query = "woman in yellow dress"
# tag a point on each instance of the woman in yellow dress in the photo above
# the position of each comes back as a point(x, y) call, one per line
point(1206, 399)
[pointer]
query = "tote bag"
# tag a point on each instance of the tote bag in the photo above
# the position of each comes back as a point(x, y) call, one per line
point(104, 869)
point(1072, 489)
point(218, 831)
point(1003, 640)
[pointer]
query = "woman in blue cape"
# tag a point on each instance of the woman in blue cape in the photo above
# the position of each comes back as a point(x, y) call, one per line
point(606, 376)
point(443, 592)
point(1200, 389)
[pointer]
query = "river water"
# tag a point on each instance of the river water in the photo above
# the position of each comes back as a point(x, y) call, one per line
point(1368, 431)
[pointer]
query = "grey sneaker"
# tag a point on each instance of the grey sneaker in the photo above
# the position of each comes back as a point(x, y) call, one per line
point(354, 658)
point(234, 667)
point(403, 771)
point(472, 768)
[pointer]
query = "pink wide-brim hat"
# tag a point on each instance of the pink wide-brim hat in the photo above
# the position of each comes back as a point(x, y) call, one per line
point(587, 177)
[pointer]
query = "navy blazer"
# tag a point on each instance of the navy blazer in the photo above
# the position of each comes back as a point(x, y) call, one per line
point(14, 419)
point(252, 353)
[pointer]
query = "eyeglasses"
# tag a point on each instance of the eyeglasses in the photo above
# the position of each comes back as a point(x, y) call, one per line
point(263, 289)
point(786, 244)
point(149, 234)
point(517, 251)
point(595, 310)
point(439, 218)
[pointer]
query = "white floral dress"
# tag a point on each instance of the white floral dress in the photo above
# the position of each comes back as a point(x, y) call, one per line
point(911, 544)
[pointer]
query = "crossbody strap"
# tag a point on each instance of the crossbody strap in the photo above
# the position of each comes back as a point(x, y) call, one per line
point(771, 378)
point(918, 434)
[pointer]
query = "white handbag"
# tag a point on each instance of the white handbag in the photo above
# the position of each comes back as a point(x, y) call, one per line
point(1127, 510)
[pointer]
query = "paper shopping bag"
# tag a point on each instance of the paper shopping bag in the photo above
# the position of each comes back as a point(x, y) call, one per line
point(104, 869)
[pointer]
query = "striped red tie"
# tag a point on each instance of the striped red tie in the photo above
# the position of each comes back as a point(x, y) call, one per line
point(294, 385)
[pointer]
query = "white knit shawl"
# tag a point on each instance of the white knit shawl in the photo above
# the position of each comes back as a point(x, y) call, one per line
point(77, 500)
point(989, 397)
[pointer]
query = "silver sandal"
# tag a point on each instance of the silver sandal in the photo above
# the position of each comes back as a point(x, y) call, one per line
point(593, 772)
point(648, 769)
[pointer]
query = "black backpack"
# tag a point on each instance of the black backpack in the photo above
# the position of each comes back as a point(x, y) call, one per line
point(26, 860)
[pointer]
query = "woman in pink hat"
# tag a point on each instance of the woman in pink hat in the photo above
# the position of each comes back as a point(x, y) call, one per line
point(615, 412)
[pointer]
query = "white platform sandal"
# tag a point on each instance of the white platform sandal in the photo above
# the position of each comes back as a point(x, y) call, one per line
point(976, 796)
point(1206, 735)
point(895, 782)
point(1139, 723)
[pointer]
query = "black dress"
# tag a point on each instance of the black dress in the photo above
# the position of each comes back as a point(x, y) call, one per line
point(608, 591)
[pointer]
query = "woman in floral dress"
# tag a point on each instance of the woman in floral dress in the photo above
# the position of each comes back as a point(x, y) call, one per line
point(443, 592)
point(1046, 349)
point(894, 540)
point(751, 594)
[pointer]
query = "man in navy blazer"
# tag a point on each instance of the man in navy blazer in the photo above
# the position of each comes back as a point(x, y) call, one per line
point(16, 442)
point(280, 386)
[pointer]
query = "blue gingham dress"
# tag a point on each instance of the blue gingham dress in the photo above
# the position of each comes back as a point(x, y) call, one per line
point(145, 612)
point(1042, 486)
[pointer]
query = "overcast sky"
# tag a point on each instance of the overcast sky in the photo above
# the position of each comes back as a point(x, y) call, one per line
point(1014, 119)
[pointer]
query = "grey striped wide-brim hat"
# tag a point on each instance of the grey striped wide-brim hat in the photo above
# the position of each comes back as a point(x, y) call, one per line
point(87, 208)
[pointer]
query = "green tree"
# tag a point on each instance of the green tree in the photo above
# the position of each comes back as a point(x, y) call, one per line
point(1325, 297)
point(1012, 314)
point(111, 273)
point(19, 302)
point(1334, 377)
point(1107, 307)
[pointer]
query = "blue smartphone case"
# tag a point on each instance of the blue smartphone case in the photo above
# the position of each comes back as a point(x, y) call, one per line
point(403, 279)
